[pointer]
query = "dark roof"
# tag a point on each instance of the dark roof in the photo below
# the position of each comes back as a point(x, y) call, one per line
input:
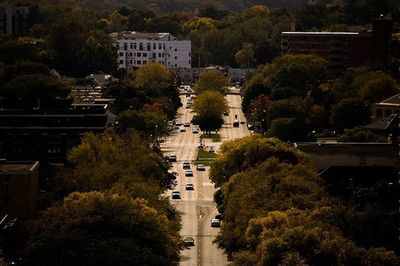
point(381, 124)
point(392, 100)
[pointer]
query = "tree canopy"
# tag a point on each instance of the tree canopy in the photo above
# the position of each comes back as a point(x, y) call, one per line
point(211, 80)
point(102, 228)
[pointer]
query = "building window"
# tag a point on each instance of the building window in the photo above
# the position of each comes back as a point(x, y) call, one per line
point(121, 54)
point(121, 62)
point(139, 54)
point(144, 62)
point(154, 55)
point(176, 57)
point(189, 62)
point(163, 45)
point(159, 46)
point(159, 54)
point(141, 46)
point(130, 54)
point(176, 50)
point(134, 46)
point(144, 54)
point(130, 46)
point(148, 47)
point(154, 46)
point(139, 62)
point(189, 53)
point(130, 61)
point(176, 65)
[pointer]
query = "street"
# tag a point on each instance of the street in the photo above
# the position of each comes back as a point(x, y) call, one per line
point(197, 206)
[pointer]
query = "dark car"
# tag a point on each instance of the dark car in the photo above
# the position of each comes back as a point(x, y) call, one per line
point(189, 187)
point(175, 195)
point(188, 241)
point(186, 165)
point(188, 173)
point(172, 158)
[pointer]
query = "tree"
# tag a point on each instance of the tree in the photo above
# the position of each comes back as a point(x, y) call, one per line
point(101, 228)
point(101, 161)
point(211, 80)
point(210, 106)
point(244, 57)
point(357, 135)
point(245, 153)
point(304, 238)
point(35, 90)
point(288, 129)
point(348, 113)
point(149, 123)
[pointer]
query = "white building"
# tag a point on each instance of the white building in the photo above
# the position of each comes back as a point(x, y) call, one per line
point(137, 49)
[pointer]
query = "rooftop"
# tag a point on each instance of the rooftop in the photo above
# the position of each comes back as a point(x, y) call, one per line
point(139, 35)
point(394, 100)
point(17, 167)
point(318, 33)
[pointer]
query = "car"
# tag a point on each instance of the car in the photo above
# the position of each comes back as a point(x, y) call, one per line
point(182, 128)
point(178, 123)
point(187, 106)
point(172, 158)
point(186, 165)
point(218, 216)
point(175, 195)
point(201, 167)
point(188, 241)
point(189, 187)
point(215, 223)
point(226, 113)
point(236, 123)
point(195, 130)
point(186, 124)
point(188, 173)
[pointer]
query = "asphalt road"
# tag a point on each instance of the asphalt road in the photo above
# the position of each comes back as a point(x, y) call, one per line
point(197, 206)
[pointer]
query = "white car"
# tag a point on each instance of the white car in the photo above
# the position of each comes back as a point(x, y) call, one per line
point(182, 128)
point(195, 130)
point(201, 167)
point(215, 223)
point(175, 195)
point(188, 173)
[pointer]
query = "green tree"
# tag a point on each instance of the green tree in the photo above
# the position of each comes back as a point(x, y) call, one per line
point(101, 161)
point(245, 153)
point(211, 80)
point(244, 57)
point(34, 90)
point(288, 129)
point(210, 106)
point(305, 238)
point(148, 123)
point(357, 135)
point(348, 113)
point(100, 228)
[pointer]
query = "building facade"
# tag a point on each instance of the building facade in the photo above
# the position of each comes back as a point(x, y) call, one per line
point(137, 49)
point(344, 49)
point(19, 182)
point(48, 134)
point(14, 20)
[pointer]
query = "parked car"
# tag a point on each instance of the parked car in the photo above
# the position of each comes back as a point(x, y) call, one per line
point(188, 173)
point(188, 241)
point(218, 216)
point(189, 187)
point(215, 223)
point(172, 158)
point(226, 113)
point(186, 165)
point(200, 167)
point(236, 123)
point(195, 130)
point(186, 124)
point(175, 195)
point(182, 128)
